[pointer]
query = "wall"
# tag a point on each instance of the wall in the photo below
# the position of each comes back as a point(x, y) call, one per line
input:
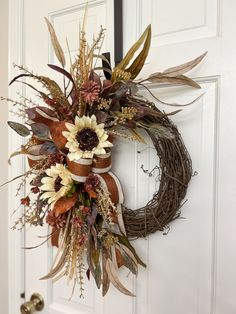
point(3, 157)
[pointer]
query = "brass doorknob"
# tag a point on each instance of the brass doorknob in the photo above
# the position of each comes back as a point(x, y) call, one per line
point(36, 303)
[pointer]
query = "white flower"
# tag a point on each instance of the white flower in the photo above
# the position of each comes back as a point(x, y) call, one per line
point(86, 138)
point(57, 183)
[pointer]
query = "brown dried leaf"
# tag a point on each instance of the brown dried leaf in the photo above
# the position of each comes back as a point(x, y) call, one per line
point(21, 152)
point(105, 278)
point(137, 65)
point(54, 90)
point(127, 259)
point(111, 272)
point(179, 80)
point(185, 67)
point(55, 43)
point(56, 130)
point(64, 204)
point(59, 266)
point(137, 136)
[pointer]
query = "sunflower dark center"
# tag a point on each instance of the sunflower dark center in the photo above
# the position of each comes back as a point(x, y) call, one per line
point(57, 184)
point(87, 139)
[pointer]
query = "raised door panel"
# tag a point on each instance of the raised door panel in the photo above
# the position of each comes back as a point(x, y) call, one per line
point(180, 273)
point(178, 21)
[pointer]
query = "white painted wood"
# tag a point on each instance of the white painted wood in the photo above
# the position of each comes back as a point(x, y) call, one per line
point(15, 238)
point(3, 158)
point(192, 268)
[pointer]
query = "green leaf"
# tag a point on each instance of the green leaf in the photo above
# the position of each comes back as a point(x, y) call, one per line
point(19, 128)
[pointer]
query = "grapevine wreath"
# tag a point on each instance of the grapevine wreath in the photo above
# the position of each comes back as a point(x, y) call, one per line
point(69, 137)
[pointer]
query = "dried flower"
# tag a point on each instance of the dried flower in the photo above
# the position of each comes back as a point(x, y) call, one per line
point(85, 209)
point(92, 182)
point(81, 240)
point(35, 189)
point(77, 221)
point(25, 201)
point(56, 184)
point(86, 138)
point(89, 91)
point(55, 158)
point(57, 222)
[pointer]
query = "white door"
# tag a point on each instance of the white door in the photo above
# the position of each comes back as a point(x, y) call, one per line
point(192, 268)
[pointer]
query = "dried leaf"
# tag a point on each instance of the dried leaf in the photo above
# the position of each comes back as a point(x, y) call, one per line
point(56, 45)
point(119, 258)
point(56, 130)
point(90, 248)
point(128, 261)
point(92, 218)
point(98, 275)
point(104, 69)
point(19, 128)
point(102, 57)
point(95, 77)
point(126, 60)
point(62, 71)
point(160, 130)
point(111, 272)
point(124, 240)
point(105, 278)
point(48, 148)
point(19, 76)
point(59, 266)
point(179, 80)
point(64, 204)
point(137, 136)
point(40, 114)
point(106, 63)
point(54, 90)
point(20, 152)
point(185, 67)
point(138, 63)
point(40, 130)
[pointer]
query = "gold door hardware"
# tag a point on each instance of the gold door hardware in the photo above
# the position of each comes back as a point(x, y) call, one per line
point(35, 304)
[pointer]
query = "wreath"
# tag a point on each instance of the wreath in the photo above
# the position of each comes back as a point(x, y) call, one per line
point(69, 137)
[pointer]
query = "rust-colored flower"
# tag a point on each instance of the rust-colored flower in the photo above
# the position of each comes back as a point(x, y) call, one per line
point(57, 222)
point(89, 91)
point(92, 182)
point(25, 201)
point(85, 209)
point(35, 189)
point(77, 221)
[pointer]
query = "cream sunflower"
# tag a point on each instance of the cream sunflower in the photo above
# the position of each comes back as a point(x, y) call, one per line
point(86, 138)
point(57, 183)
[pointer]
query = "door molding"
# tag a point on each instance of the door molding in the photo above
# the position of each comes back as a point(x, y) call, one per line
point(15, 238)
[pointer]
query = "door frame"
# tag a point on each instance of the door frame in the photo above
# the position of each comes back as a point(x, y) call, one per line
point(15, 238)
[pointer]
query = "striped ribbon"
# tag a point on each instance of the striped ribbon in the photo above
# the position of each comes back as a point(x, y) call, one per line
point(101, 166)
